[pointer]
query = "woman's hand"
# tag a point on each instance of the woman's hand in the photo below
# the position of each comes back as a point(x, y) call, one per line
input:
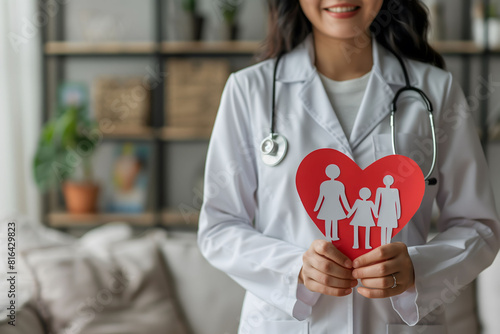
point(375, 270)
point(326, 270)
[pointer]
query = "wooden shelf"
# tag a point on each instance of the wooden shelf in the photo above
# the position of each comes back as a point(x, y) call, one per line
point(110, 48)
point(208, 48)
point(225, 47)
point(168, 133)
point(139, 48)
point(132, 133)
point(65, 219)
point(457, 47)
point(172, 217)
point(171, 133)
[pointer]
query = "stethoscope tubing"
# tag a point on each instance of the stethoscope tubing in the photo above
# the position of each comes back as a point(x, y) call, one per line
point(269, 160)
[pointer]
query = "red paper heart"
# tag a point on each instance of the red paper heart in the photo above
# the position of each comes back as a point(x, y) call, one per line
point(407, 179)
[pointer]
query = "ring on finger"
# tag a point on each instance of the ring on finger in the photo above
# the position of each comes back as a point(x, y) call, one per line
point(395, 281)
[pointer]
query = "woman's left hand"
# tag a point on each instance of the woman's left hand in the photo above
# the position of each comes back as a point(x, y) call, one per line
point(375, 270)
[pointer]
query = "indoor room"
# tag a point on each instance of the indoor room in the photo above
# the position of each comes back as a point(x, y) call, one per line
point(258, 166)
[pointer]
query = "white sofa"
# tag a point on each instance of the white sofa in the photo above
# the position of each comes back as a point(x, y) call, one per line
point(110, 281)
point(68, 285)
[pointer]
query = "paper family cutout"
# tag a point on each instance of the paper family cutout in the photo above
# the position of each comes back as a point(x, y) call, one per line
point(387, 208)
point(343, 200)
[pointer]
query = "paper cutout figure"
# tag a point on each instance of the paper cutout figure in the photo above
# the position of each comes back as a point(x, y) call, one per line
point(331, 194)
point(408, 181)
point(363, 217)
point(388, 206)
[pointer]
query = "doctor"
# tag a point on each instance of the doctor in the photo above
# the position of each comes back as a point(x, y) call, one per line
point(334, 87)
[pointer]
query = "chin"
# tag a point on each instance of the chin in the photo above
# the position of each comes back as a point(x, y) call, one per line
point(342, 34)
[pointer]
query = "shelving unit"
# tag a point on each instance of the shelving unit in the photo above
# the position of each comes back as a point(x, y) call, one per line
point(56, 50)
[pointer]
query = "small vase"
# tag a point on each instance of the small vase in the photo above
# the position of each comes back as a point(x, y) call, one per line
point(229, 31)
point(80, 197)
point(196, 23)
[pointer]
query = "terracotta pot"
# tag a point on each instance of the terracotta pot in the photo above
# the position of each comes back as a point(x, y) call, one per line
point(81, 197)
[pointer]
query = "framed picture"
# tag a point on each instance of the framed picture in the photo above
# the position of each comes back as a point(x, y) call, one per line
point(129, 178)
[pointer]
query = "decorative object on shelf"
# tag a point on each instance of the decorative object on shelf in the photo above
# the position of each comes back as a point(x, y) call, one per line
point(80, 197)
point(98, 26)
point(196, 20)
point(229, 10)
point(193, 91)
point(130, 179)
point(73, 94)
point(66, 145)
point(125, 102)
point(494, 130)
point(435, 20)
point(491, 16)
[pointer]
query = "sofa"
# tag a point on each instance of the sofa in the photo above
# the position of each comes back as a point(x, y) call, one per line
point(115, 280)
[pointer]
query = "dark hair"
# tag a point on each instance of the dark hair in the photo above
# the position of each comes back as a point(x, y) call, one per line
point(400, 26)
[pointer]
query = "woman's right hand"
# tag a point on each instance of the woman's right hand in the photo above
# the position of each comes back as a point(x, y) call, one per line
point(327, 270)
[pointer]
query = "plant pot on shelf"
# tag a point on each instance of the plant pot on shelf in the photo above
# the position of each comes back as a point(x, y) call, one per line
point(81, 197)
point(196, 22)
point(229, 31)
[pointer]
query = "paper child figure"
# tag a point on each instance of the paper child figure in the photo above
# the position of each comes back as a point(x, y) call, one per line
point(388, 206)
point(333, 192)
point(363, 216)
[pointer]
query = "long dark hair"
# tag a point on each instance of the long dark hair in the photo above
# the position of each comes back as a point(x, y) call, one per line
point(400, 26)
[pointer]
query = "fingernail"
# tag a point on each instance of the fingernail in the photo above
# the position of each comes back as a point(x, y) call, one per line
point(348, 263)
point(354, 283)
point(348, 291)
point(356, 263)
point(354, 274)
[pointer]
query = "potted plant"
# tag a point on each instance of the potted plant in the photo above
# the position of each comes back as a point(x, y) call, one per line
point(196, 20)
point(63, 157)
point(229, 10)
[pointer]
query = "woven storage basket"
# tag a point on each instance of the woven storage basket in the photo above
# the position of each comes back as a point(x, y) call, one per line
point(124, 101)
point(193, 91)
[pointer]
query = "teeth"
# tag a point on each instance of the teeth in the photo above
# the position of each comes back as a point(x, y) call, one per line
point(341, 9)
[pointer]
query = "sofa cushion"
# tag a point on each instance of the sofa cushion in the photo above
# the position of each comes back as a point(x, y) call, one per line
point(27, 322)
point(116, 285)
point(29, 235)
point(210, 300)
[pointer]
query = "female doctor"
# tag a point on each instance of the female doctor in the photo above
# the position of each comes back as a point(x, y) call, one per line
point(334, 87)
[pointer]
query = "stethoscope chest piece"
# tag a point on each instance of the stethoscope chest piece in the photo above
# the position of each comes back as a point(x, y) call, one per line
point(273, 149)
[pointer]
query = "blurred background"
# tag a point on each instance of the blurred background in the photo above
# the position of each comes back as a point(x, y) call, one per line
point(106, 109)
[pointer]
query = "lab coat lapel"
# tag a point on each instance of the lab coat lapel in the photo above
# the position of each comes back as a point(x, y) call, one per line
point(376, 102)
point(315, 101)
point(298, 67)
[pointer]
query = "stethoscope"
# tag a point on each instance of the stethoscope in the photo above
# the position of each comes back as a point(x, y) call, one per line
point(274, 147)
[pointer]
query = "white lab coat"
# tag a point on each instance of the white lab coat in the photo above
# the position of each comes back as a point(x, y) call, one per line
point(253, 225)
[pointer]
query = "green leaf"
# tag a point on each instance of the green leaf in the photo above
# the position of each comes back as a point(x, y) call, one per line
point(189, 5)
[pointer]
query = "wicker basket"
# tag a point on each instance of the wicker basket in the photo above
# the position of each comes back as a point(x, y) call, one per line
point(124, 101)
point(193, 91)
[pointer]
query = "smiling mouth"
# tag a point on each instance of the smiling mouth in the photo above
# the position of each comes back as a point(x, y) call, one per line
point(343, 9)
